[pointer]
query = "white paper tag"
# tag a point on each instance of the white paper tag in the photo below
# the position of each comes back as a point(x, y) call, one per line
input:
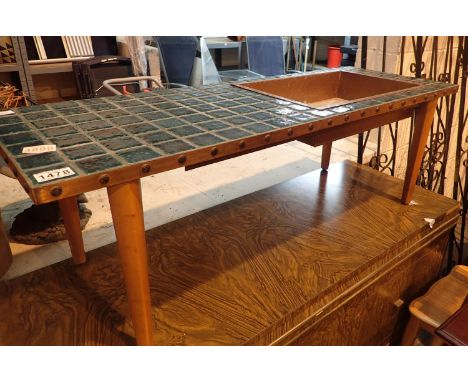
point(39, 149)
point(321, 113)
point(47, 176)
point(6, 112)
point(341, 109)
point(430, 221)
point(298, 107)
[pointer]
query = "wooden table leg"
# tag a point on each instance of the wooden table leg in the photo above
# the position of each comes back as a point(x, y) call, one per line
point(326, 153)
point(422, 124)
point(71, 220)
point(127, 215)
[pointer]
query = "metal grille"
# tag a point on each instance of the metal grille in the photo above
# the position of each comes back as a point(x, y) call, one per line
point(425, 61)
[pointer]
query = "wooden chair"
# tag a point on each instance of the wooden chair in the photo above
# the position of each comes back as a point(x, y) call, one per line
point(442, 300)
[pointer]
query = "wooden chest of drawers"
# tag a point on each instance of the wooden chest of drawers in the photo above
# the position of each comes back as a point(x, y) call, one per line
point(324, 259)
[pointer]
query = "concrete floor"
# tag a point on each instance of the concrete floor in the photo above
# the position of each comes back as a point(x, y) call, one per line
point(172, 195)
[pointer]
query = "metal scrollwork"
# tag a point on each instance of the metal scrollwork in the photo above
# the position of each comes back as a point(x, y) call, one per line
point(449, 66)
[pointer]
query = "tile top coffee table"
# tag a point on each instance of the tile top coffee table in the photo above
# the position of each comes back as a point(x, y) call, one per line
point(112, 142)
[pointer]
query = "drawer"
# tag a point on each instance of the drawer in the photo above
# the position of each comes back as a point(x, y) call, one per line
point(377, 313)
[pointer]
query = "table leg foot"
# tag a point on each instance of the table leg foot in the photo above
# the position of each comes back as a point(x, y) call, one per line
point(71, 220)
point(422, 124)
point(326, 153)
point(127, 214)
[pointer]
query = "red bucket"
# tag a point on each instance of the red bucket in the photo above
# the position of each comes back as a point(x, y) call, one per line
point(334, 57)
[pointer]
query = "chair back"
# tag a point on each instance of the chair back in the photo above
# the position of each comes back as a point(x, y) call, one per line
point(177, 56)
point(265, 55)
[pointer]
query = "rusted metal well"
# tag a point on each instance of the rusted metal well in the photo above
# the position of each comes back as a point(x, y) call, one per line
point(324, 90)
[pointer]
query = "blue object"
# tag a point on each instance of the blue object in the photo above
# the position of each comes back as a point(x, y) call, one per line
point(266, 55)
point(177, 56)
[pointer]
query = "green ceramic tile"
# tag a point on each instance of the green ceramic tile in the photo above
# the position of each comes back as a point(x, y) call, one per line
point(106, 133)
point(173, 147)
point(70, 140)
point(140, 109)
point(213, 125)
point(128, 103)
point(167, 105)
point(83, 151)
point(13, 139)
point(112, 113)
point(155, 115)
point(238, 120)
point(184, 131)
point(126, 120)
point(159, 136)
point(302, 117)
point(32, 109)
point(120, 143)
point(204, 107)
point(63, 105)
point(50, 122)
point(283, 111)
point(265, 105)
point(57, 131)
point(181, 111)
point(82, 118)
point(196, 118)
point(244, 109)
point(258, 127)
point(140, 128)
point(39, 160)
point(94, 125)
point(139, 154)
point(97, 164)
point(205, 139)
point(73, 110)
point(211, 99)
point(98, 107)
point(169, 123)
point(298, 107)
point(233, 133)
point(281, 122)
point(38, 115)
point(221, 113)
point(9, 119)
point(248, 100)
point(226, 104)
point(14, 128)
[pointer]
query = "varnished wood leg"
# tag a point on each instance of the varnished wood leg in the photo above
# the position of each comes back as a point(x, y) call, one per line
point(127, 214)
point(411, 331)
point(422, 124)
point(71, 220)
point(326, 153)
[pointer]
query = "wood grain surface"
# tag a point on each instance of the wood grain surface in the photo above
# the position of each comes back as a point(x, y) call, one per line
point(249, 271)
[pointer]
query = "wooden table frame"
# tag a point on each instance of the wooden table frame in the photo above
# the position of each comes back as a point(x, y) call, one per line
point(124, 188)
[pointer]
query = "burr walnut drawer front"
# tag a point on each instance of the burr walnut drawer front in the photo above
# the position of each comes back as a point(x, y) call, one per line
point(376, 313)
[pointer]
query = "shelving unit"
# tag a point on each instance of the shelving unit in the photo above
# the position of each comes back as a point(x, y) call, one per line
point(21, 67)
point(7, 68)
point(60, 67)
